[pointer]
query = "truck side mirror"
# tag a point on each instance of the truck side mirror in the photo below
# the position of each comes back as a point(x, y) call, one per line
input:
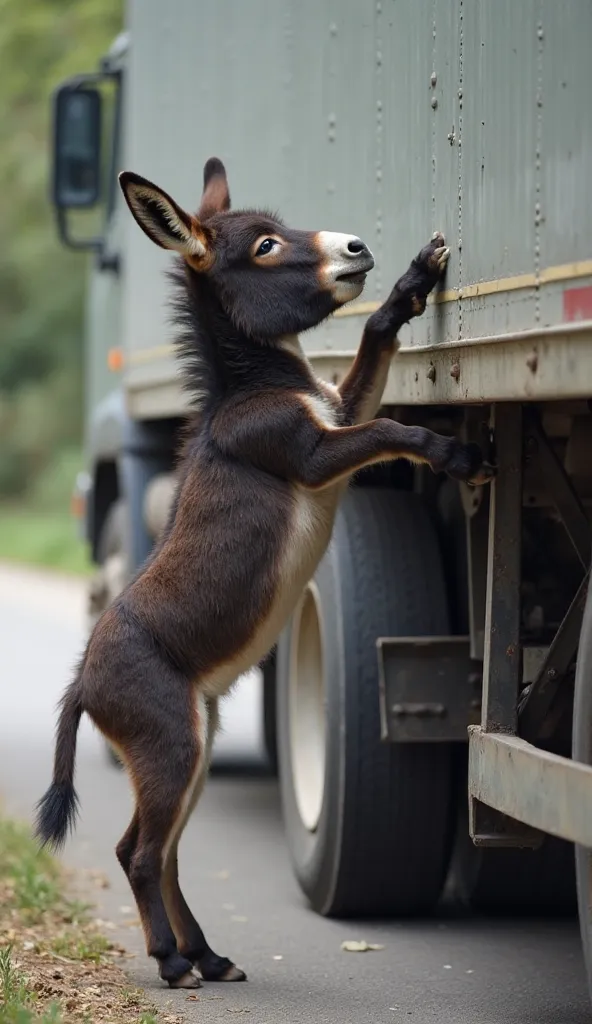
point(77, 147)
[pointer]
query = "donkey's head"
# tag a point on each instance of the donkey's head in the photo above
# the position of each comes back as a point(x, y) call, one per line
point(269, 279)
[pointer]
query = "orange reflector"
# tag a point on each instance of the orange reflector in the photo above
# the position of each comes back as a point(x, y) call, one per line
point(115, 359)
point(77, 506)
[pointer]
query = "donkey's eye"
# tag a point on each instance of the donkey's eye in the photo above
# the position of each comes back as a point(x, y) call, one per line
point(266, 246)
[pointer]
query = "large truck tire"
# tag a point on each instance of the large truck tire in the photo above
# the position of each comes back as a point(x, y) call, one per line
point(268, 672)
point(368, 823)
point(501, 882)
point(582, 751)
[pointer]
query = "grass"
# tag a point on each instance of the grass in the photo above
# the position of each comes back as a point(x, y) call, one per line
point(47, 539)
point(18, 1002)
point(55, 966)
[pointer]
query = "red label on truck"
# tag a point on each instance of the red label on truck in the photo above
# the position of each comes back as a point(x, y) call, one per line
point(577, 303)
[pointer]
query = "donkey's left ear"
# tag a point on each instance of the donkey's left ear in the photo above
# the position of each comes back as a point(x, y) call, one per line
point(161, 218)
point(216, 196)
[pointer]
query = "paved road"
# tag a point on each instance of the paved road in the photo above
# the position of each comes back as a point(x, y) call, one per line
point(237, 878)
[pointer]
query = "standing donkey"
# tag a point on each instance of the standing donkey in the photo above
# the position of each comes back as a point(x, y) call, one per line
point(260, 475)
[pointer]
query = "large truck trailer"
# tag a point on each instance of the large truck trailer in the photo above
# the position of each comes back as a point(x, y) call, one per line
point(430, 703)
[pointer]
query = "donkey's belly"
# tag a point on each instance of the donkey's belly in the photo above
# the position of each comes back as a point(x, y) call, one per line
point(306, 542)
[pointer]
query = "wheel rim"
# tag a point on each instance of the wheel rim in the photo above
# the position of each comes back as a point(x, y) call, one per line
point(582, 751)
point(307, 709)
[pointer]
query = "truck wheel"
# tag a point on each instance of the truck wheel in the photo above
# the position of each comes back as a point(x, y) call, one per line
point(368, 823)
point(110, 578)
point(270, 712)
point(582, 751)
point(510, 881)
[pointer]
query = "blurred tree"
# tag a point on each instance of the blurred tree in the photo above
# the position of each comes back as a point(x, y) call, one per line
point(41, 284)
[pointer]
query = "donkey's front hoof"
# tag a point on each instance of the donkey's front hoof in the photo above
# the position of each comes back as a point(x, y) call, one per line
point(434, 256)
point(484, 475)
point(219, 968)
point(233, 973)
point(467, 464)
point(188, 980)
point(178, 971)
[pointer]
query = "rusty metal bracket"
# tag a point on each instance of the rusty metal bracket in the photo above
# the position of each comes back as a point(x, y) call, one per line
point(538, 697)
point(545, 791)
point(502, 661)
point(490, 827)
point(429, 688)
point(502, 666)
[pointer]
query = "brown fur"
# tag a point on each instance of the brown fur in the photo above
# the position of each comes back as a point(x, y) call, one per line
point(262, 469)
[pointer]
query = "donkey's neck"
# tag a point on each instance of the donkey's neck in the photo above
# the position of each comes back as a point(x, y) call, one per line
point(222, 360)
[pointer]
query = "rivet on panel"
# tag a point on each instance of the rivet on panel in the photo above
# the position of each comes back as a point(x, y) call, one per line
point(460, 94)
point(332, 119)
point(540, 33)
point(434, 102)
point(433, 79)
point(378, 57)
point(532, 362)
point(455, 371)
point(431, 374)
point(333, 28)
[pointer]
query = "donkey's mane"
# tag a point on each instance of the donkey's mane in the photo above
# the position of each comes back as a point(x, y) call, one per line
point(195, 351)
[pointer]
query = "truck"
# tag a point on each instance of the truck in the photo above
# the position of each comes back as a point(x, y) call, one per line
point(429, 705)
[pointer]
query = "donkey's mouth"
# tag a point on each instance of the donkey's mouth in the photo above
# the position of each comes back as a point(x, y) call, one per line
point(355, 277)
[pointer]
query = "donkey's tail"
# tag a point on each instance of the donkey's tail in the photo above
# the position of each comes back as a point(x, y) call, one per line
point(57, 809)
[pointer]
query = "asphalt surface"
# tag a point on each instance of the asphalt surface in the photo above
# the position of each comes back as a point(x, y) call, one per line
point(237, 878)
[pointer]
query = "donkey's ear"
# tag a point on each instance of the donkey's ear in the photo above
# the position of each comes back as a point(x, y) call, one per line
point(216, 196)
point(160, 217)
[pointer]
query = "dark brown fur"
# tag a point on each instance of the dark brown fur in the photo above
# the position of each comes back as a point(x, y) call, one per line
point(259, 483)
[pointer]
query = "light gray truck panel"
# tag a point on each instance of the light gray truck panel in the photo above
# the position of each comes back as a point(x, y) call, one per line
point(388, 119)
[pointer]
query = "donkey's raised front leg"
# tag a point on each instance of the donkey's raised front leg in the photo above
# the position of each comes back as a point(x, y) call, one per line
point(341, 452)
point(363, 387)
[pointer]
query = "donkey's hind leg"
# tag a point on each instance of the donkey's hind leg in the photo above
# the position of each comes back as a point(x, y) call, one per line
point(165, 764)
point(191, 941)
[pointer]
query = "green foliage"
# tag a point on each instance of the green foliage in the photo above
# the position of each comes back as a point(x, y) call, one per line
point(90, 946)
point(32, 872)
point(17, 1003)
point(42, 538)
point(41, 283)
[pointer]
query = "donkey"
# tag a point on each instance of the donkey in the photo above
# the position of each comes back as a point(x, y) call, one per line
point(262, 467)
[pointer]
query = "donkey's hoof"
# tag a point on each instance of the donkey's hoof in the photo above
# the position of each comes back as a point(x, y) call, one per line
point(219, 968)
point(484, 475)
point(233, 973)
point(188, 980)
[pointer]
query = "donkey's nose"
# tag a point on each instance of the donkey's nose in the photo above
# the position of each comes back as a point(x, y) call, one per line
point(356, 247)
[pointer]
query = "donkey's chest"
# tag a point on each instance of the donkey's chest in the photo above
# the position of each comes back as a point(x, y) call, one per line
point(307, 536)
point(306, 531)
